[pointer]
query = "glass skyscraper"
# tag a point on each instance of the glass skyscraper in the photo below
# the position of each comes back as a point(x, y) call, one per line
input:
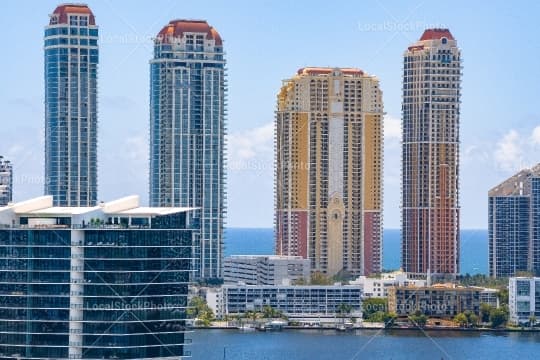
point(71, 61)
point(103, 282)
point(514, 225)
point(187, 128)
point(6, 181)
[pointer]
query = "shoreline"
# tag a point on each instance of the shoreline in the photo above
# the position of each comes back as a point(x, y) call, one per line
point(371, 328)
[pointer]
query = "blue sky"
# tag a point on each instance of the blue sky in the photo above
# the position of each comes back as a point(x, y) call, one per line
point(267, 42)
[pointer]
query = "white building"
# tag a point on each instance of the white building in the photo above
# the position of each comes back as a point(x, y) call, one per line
point(265, 269)
point(378, 286)
point(293, 301)
point(523, 299)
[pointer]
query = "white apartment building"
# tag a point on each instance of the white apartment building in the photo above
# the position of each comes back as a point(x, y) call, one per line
point(378, 286)
point(523, 299)
point(265, 269)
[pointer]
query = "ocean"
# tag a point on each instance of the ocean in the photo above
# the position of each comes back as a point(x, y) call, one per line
point(474, 247)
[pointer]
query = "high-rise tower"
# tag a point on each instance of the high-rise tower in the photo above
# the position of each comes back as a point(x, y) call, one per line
point(187, 128)
point(430, 155)
point(329, 136)
point(6, 181)
point(71, 61)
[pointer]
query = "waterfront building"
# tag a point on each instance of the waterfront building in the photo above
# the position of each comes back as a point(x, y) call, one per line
point(378, 286)
point(6, 181)
point(524, 299)
point(265, 269)
point(187, 129)
point(293, 301)
point(101, 282)
point(439, 301)
point(430, 155)
point(71, 64)
point(329, 160)
point(514, 224)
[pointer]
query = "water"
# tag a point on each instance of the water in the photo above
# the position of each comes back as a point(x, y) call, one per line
point(364, 344)
point(474, 247)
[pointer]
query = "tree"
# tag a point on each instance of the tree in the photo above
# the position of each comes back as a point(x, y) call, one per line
point(503, 297)
point(485, 311)
point(461, 319)
point(473, 320)
point(344, 310)
point(198, 309)
point(418, 318)
point(498, 317)
point(373, 305)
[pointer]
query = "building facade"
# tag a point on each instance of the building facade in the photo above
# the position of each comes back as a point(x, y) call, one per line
point(377, 287)
point(329, 137)
point(293, 301)
point(103, 282)
point(440, 300)
point(524, 299)
point(71, 65)
point(265, 269)
point(430, 154)
point(6, 181)
point(187, 128)
point(514, 224)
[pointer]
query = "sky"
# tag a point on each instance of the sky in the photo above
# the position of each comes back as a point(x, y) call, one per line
point(266, 42)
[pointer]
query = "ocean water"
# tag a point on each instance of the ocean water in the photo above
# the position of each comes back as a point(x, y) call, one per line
point(362, 344)
point(474, 247)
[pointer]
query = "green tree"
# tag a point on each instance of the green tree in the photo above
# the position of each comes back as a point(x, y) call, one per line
point(485, 311)
point(418, 318)
point(198, 309)
point(343, 310)
point(461, 319)
point(532, 321)
point(373, 305)
point(503, 297)
point(498, 317)
point(473, 320)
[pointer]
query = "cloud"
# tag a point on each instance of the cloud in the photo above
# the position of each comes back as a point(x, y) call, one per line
point(535, 136)
point(392, 127)
point(508, 151)
point(135, 148)
point(250, 144)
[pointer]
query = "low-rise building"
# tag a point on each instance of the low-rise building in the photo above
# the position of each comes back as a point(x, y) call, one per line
point(292, 301)
point(523, 299)
point(439, 300)
point(377, 287)
point(265, 269)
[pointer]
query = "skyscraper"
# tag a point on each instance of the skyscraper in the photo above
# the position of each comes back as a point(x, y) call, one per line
point(430, 155)
point(6, 181)
point(102, 282)
point(514, 224)
point(71, 61)
point(329, 136)
point(187, 128)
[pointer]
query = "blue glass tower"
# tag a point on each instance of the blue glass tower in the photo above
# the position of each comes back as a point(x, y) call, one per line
point(71, 61)
point(187, 127)
point(514, 224)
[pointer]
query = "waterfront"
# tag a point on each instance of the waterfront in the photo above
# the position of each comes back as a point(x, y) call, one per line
point(362, 344)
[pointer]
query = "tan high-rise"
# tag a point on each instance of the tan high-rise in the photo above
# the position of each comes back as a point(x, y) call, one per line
point(329, 137)
point(430, 206)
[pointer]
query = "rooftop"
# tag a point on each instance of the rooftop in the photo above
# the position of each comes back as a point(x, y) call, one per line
point(177, 28)
point(436, 34)
point(517, 185)
point(328, 70)
point(62, 11)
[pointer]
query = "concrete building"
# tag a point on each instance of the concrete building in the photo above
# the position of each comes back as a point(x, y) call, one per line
point(430, 155)
point(101, 282)
point(514, 224)
point(187, 129)
point(293, 301)
point(438, 301)
point(329, 160)
point(265, 269)
point(377, 287)
point(523, 299)
point(71, 116)
point(6, 181)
